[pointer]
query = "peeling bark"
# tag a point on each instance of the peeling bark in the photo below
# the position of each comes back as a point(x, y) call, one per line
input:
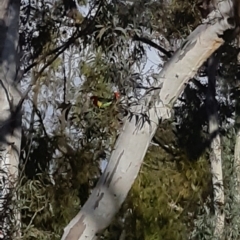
point(215, 151)
point(133, 142)
point(10, 119)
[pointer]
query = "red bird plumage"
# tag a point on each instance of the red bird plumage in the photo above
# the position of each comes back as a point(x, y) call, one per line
point(104, 102)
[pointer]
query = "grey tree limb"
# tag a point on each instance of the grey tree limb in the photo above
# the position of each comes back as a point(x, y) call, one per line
point(10, 114)
point(215, 149)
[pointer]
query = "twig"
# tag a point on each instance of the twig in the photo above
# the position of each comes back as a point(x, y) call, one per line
point(153, 44)
point(31, 221)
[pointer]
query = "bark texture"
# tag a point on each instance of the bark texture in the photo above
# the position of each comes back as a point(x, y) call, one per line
point(133, 142)
point(10, 119)
point(215, 151)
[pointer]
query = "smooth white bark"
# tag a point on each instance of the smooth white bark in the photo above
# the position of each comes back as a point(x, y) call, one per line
point(10, 121)
point(218, 188)
point(132, 144)
point(215, 148)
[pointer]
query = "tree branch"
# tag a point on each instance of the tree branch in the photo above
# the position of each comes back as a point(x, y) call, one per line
point(153, 44)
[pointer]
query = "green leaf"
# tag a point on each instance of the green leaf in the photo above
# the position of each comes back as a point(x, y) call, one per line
point(101, 32)
point(121, 30)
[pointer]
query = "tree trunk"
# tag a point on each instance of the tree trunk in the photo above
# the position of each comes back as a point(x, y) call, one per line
point(10, 118)
point(236, 163)
point(133, 142)
point(216, 152)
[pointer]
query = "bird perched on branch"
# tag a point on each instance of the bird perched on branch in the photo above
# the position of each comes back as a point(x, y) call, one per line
point(104, 102)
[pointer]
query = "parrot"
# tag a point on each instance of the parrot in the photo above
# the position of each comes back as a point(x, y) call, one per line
point(103, 102)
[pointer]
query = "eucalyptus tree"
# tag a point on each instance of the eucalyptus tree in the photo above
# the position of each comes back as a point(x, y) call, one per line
point(140, 127)
point(10, 110)
point(107, 47)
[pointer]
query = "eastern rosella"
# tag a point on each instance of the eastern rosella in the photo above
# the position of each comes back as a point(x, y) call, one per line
point(104, 102)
